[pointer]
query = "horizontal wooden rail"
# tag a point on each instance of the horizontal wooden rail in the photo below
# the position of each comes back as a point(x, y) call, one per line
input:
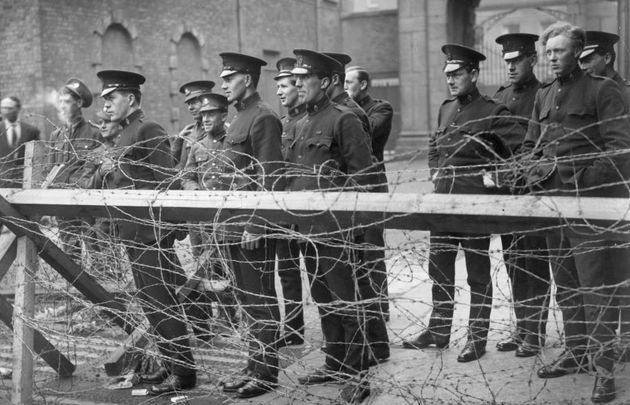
point(609, 217)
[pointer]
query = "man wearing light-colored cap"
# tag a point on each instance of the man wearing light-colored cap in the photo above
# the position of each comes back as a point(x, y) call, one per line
point(253, 142)
point(147, 164)
point(13, 134)
point(192, 92)
point(524, 255)
point(287, 249)
point(472, 132)
point(70, 148)
point(204, 170)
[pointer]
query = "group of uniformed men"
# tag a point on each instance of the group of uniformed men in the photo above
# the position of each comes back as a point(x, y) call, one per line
point(570, 135)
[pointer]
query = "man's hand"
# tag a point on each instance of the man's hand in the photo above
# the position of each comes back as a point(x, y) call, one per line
point(107, 165)
point(250, 241)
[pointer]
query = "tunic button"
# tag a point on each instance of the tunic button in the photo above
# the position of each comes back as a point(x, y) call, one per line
point(557, 107)
point(459, 110)
point(213, 177)
point(299, 156)
point(513, 98)
point(214, 188)
point(559, 90)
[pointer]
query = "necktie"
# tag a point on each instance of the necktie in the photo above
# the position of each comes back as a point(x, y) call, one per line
point(10, 135)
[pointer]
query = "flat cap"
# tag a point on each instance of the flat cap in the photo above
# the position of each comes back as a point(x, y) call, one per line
point(240, 63)
point(284, 66)
point(192, 90)
point(213, 101)
point(599, 40)
point(78, 88)
point(308, 61)
point(342, 58)
point(119, 80)
point(517, 44)
point(459, 56)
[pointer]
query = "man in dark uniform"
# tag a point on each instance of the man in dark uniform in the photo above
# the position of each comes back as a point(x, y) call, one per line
point(598, 58)
point(330, 151)
point(369, 242)
point(458, 154)
point(524, 255)
point(254, 162)
point(287, 249)
point(146, 163)
point(578, 119)
point(71, 146)
point(380, 114)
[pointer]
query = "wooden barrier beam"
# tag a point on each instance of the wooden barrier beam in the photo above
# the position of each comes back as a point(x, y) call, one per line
point(63, 264)
point(606, 217)
point(8, 251)
point(42, 346)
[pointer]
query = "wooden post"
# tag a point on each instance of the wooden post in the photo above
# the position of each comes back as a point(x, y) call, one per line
point(27, 263)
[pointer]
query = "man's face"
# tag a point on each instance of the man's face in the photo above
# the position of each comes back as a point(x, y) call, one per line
point(109, 129)
point(520, 69)
point(461, 82)
point(287, 92)
point(193, 107)
point(352, 85)
point(594, 64)
point(9, 110)
point(213, 121)
point(68, 107)
point(117, 105)
point(310, 88)
point(234, 86)
point(561, 54)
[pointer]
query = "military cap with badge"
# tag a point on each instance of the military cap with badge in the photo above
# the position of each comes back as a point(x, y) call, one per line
point(192, 90)
point(517, 44)
point(459, 56)
point(599, 41)
point(120, 80)
point(308, 62)
point(240, 63)
point(284, 66)
point(80, 90)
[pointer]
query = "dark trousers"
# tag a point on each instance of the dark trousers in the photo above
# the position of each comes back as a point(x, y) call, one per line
point(288, 255)
point(372, 282)
point(442, 272)
point(254, 276)
point(602, 282)
point(527, 262)
point(156, 272)
point(335, 291)
point(374, 258)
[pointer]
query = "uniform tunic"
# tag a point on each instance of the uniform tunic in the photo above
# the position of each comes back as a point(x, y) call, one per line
point(145, 163)
point(330, 150)
point(577, 122)
point(253, 160)
point(528, 273)
point(380, 114)
point(71, 146)
point(456, 159)
point(183, 142)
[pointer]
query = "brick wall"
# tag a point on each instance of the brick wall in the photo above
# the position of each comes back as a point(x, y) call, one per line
point(49, 41)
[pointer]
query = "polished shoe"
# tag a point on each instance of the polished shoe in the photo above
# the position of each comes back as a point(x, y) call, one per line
point(355, 392)
point(256, 387)
point(156, 377)
point(321, 376)
point(508, 345)
point(424, 340)
point(566, 363)
point(604, 389)
point(527, 350)
point(236, 384)
point(174, 383)
point(472, 351)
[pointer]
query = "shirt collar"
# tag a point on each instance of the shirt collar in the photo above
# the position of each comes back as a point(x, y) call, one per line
point(295, 111)
point(470, 97)
point(132, 117)
point(571, 77)
point(529, 83)
point(247, 102)
point(314, 108)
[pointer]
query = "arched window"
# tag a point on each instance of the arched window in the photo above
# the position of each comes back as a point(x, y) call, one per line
point(117, 49)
